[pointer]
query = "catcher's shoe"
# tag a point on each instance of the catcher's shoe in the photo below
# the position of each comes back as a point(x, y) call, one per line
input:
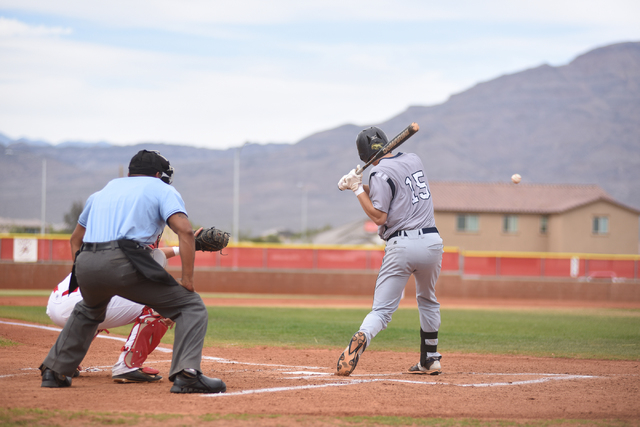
point(432, 367)
point(53, 379)
point(142, 375)
point(191, 381)
point(350, 356)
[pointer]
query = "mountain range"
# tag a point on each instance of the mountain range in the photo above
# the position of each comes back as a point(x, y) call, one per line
point(577, 123)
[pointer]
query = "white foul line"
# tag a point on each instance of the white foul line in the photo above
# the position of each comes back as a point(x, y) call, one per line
point(276, 389)
point(353, 382)
point(161, 349)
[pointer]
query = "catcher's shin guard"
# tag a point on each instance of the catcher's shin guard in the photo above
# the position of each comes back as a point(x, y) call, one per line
point(143, 339)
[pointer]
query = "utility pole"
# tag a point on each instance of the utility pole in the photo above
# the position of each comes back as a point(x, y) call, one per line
point(43, 202)
point(236, 194)
point(303, 209)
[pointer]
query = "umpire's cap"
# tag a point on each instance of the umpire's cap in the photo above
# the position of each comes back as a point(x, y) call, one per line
point(149, 162)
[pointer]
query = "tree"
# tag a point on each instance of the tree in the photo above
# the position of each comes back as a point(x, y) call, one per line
point(71, 217)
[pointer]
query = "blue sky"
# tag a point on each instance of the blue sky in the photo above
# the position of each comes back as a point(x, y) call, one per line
point(217, 74)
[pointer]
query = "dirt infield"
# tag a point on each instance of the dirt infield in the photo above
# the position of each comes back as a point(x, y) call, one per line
point(298, 383)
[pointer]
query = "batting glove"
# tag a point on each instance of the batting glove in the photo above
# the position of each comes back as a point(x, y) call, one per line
point(353, 181)
point(342, 184)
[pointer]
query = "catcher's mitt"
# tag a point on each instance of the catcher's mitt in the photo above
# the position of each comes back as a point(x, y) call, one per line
point(212, 240)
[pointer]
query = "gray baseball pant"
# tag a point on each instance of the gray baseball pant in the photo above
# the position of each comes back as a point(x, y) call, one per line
point(103, 274)
point(418, 254)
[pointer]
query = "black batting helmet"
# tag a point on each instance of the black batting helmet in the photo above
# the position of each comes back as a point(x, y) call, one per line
point(149, 162)
point(369, 142)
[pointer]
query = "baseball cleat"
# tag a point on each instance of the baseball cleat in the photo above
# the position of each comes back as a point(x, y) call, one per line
point(432, 367)
point(52, 379)
point(143, 375)
point(192, 381)
point(349, 358)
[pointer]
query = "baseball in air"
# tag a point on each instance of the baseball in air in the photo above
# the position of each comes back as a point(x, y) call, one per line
point(515, 178)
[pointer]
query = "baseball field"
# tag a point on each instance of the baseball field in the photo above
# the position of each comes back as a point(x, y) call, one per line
point(505, 362)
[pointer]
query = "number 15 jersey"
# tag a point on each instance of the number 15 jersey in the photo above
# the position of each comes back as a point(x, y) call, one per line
point(398, 186)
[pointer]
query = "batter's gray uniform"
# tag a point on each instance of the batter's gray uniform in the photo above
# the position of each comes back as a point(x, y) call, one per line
point(398, 186)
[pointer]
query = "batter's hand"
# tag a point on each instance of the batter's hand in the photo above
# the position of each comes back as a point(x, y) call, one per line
point(342, 184)
point(350, 180)
point(354, 180)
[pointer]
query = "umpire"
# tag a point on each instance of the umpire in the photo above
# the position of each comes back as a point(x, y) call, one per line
point(112, 257)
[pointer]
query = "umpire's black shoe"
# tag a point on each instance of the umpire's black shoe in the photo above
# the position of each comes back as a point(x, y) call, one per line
point(54, 380)
point(191, 381)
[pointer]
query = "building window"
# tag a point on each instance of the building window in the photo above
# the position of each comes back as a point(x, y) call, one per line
point(510, 224)
point(600, 225)
point(544, 224)
point(467, 223)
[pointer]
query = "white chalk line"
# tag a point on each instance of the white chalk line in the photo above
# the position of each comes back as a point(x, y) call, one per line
point(363, 381)
point(353, 380)
point(162, 349)
point(277, 389)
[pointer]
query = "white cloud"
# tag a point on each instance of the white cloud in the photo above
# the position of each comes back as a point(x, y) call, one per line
point(126, 96)
point(159, 13)
point(279, 87)
point(15, 28)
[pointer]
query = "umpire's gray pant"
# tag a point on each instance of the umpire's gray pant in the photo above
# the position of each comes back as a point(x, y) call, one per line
point(417, 254)
point(103, 274)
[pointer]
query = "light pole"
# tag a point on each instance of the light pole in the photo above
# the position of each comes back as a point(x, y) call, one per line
point(236, 194)
point(43, 202)
point(303, 232)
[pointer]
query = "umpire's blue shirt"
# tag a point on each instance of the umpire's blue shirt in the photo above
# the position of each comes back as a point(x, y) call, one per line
point(134, 208)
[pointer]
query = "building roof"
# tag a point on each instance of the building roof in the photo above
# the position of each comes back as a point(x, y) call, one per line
point(517, 198)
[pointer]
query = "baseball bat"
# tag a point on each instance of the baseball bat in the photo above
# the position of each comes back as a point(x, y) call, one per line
point(397, 140)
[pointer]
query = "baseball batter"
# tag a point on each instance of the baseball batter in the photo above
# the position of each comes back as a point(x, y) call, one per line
point(398, 200)
point(148, 329)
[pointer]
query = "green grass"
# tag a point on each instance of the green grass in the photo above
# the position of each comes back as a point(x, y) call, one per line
point(572, 333)
point(27, 314)
point(7, 343)
point(22, 417)
point(599, 334)
point(24, 292)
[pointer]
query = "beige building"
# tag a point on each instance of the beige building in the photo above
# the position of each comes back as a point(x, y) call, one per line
point(533, 218)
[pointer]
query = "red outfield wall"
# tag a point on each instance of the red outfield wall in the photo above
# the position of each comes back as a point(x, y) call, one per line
point(342, 282)
point(281, 269)
point(359, 258)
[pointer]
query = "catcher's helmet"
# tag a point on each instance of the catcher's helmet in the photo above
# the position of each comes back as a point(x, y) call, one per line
point(149, 162)
point(369, 142)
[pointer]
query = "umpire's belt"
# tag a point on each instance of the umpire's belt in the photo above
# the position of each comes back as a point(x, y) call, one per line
point(404, 234)
point(103, 246)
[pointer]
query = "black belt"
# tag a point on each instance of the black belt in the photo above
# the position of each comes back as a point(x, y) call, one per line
point(103, 246)
point(402, 232)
